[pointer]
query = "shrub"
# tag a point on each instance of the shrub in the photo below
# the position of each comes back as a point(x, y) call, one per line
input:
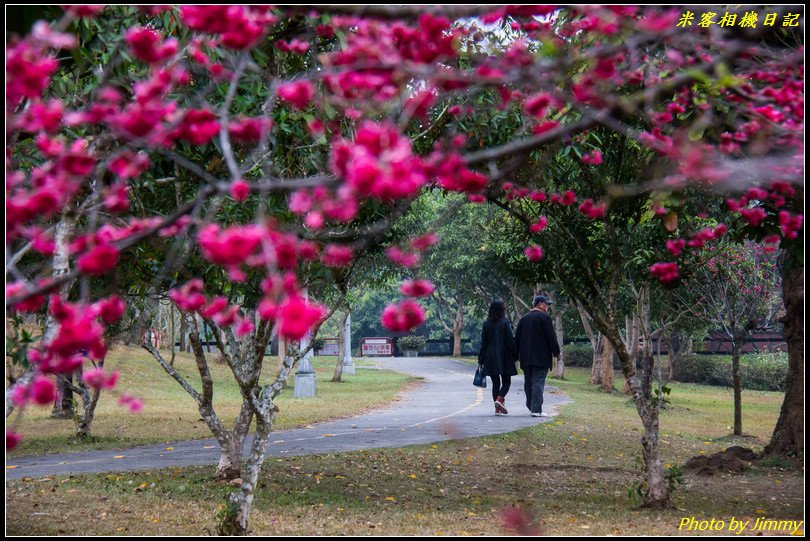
point(578, 355)
point(413, 343)
point(318, 344)
point(758, 372)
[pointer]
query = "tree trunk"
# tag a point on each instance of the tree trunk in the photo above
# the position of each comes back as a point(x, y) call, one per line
point(596, 365)
point(457, 327)
point(235, 519)
point(735, 378)
point(336, 377)
point(788, 436)
point(607, 366)
point(183, 333)
point(89, 398)
point(63, 407)
point(230, 458)
point(559, 364)
point(656, 494)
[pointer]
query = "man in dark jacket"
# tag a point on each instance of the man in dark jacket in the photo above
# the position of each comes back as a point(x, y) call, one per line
point(536, 343)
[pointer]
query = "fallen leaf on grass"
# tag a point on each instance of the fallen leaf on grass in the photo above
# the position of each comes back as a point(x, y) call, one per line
point(169, 449)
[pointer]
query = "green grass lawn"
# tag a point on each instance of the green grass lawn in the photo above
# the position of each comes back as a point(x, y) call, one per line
point(169, 414)
point(570, 476)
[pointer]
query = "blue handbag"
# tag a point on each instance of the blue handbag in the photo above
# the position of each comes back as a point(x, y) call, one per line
point(480, 380)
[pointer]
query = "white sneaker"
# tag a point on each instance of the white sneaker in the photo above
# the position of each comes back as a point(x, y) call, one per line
point(542, 414)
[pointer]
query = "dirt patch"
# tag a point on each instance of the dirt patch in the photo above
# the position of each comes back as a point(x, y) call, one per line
point(732, 460)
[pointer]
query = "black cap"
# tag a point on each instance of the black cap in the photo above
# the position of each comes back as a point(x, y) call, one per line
point(541, 298)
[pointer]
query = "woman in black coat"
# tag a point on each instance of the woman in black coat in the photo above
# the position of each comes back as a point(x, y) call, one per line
point(498, 353)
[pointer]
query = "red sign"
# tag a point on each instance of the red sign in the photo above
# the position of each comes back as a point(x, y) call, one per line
point(376, 346)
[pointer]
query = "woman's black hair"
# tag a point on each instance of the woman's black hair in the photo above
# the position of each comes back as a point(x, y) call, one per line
point(497, 310)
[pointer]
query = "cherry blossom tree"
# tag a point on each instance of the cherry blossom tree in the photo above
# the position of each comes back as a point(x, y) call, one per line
point(321, 115)
point(739, 293)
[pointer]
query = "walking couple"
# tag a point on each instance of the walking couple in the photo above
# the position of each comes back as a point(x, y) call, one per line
point(533, 343)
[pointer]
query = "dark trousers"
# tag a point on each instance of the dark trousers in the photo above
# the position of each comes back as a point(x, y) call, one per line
point(498, 388)
point(534, 383)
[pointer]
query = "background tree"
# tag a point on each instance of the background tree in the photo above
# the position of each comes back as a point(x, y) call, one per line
point(739, 292)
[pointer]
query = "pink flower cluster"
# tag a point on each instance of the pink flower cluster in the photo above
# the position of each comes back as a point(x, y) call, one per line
point(230, 247)
point(790, 224)
point(240, 27)
point(379, 163)
point(593, 158)
point(593, 211)
point(335, 255)
point(665, 272)
point(296, 316)
point(318, 204)
point(451, 174)
point(298, 93)
point(403, 317)
point(28, 72)
point(98, 379)
point(40, 391)
point(249, 130)
point(146, 45)
point(533, 252)
point(417, 288)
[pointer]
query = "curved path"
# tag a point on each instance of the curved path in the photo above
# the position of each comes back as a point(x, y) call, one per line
point(446, 406)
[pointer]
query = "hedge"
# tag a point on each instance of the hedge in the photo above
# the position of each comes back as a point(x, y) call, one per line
point(578, 355)
point(758, 372)
point(581, 355)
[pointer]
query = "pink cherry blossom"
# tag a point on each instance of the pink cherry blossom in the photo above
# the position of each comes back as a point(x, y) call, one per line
point(379, 163)
point(110, 310)
point(299, 94)
point(593, 211)
point(676, 246)
point(425, 241)
point(665, 272)
point(568, 198)
point(249, 130)
point(335, 255)
point(99, 260)
point(198, 126)
point(146, 45)
point(403, 317)
point(297, 316)
point(417, 288)
point(533, 253)
point(98, 379)
point(539, 225)
point(240, 189)
point(452, 174)
point(593, 158)
point(268, 310)
point(129, 164)
point(229, 247)
point(133, 404)
point(189, 297)
point(402, 258)
point(13, 439)
point(216, 305)
point(244, 327)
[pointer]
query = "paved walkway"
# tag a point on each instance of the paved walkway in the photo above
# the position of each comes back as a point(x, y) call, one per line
point(446, 406)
